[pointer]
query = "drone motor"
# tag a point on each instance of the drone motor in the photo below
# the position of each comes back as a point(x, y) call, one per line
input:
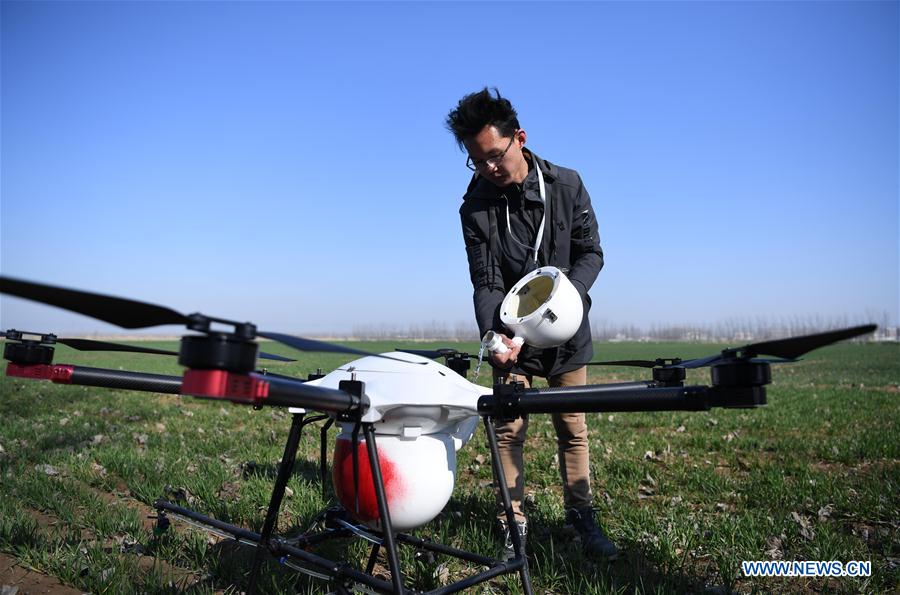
point(741, 373)
point(26, 352)
point(218, 351)
point(670, 376)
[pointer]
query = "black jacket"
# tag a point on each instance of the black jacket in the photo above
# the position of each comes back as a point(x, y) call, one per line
point(497, 261)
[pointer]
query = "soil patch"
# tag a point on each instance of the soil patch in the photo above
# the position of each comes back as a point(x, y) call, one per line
point(28, 581)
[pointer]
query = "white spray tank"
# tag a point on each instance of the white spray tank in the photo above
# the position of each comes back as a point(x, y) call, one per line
point(542, 309)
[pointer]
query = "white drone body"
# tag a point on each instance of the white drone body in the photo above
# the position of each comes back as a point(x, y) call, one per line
point(422, 415)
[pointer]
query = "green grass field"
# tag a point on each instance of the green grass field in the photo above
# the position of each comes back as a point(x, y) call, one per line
point(815, 475)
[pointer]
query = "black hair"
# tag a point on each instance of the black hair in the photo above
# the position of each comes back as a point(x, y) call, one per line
point(480, 109)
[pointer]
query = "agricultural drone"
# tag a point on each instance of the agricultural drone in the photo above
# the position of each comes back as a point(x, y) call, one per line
point(402, 416)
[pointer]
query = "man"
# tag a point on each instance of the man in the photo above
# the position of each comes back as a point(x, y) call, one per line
point(507, 235)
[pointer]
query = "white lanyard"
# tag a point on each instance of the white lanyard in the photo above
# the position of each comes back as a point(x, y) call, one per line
point(543, 193)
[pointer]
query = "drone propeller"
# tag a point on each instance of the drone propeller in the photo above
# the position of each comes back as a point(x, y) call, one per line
point(458, 361)
point(434, 353)
point(119, 311)
point(132, 314)
point(678, 363)
point(794, 347)
point(89, 344)
point(783, 350)
point(92, 345)
point(321, 346)
point(709, 361)
point(637, 363)
point(275, 357)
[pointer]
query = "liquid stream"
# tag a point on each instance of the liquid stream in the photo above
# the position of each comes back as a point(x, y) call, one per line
point(480, 359)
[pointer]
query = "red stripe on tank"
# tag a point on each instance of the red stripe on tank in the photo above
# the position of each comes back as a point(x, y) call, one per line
point(342, 476)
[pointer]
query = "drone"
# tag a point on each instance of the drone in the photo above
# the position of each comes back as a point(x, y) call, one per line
point(403, 416)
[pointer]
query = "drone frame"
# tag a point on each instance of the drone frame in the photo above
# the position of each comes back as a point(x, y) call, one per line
point(742, 387)
point(260, 389)
point(220, 365)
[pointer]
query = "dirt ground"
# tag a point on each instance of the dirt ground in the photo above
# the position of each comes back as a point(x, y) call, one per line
point(18, 580)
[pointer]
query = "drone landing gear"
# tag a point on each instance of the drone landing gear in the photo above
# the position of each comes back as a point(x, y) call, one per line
point(284, 474)
point(294, 552)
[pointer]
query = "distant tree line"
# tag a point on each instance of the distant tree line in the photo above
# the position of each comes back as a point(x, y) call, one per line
point(732, 329)
point(434, 330)
point(743, 329)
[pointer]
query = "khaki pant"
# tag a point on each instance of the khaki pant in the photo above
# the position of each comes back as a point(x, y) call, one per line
point(571, 440)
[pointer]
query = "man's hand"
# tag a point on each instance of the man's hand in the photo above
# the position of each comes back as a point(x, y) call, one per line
point(508, 358)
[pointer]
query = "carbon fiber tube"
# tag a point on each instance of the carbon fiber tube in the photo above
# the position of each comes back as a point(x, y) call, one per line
point(157, 383)
point(471, 581)
point(336, 569)
point(278, 546)
point(237, 532)
point(385, 516)
point(519, 562)
point(285, 392)
point(596, 388)
point(687, 398)
point(440, 548)
point(589, 399)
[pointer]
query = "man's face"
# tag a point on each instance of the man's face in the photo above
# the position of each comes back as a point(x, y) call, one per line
point(497, 159)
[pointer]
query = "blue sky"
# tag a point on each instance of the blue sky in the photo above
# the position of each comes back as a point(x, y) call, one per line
point(286, 163)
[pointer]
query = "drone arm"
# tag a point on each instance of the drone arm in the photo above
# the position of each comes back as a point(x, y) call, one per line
point(513, 400)
point(597, 388)
point(273, 391)
point(284, 392)
point(637, 398)
point(84, 376)
point(121, 379)
point(252, 389)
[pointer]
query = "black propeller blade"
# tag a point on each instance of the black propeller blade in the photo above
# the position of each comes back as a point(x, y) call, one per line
point(312, 345)
point(91, 345)
point(709, 361)
point(119, 311)
point(701, 362)
point(638, 363)
point(434, 353)
point(786, 350)
point(677, 363)
point(128, 313)
point(274, 356)
point(794, 347)
point(783, 350)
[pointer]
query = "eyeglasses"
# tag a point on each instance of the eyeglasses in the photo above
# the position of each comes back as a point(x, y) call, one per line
point(476, 164)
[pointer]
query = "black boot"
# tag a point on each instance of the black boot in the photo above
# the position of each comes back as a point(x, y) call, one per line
point(596, 544)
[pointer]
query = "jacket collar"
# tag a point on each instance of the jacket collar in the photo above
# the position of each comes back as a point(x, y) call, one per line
point(481, 188)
